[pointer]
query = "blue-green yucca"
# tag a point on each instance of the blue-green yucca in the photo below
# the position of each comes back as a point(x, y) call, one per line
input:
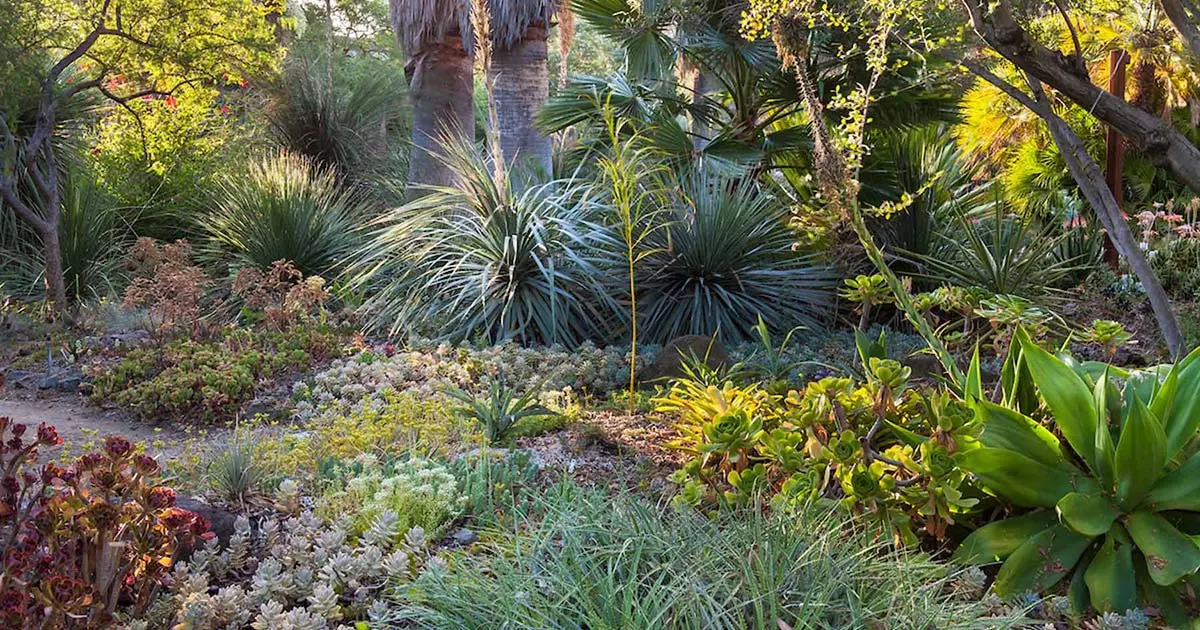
point(726, 258)
point(480, 260)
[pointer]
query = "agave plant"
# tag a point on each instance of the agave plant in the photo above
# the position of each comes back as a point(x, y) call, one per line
point(482, 260)
point(1116, 498)
point(500, 411)
point(725, 259)
point(285, 208)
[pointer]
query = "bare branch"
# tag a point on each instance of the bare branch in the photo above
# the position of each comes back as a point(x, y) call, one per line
point(1062, 10)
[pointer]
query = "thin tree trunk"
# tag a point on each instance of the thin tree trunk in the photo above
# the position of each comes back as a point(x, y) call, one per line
point(56, 286)
point(522, 83)
point(442, 94)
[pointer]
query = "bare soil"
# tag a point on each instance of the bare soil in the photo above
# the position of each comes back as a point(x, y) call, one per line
point(81, 425)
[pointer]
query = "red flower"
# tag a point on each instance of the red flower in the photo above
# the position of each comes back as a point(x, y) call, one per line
point(171, 102)
point(224, 109)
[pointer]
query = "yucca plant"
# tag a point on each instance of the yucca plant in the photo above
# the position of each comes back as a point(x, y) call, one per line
point(478, 260)
point(1115, 487)
point(725, 259)
point(1006, 255)
point(285, 208)
point(353, 126)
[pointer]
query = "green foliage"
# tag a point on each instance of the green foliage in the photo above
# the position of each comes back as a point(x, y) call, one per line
point(417, 493)
point(1107, 334)
point(583, 557)
point(924, 162)
point(80, 541)
point(1003, 255)
point(476, 261)
point(768, 361)
point(1121, 478)
point(353, 127)
point(234, 474)
point(284, 208)
point(880, 450)
point(725, 258)
point(94, 233)
point(209, 381)
point(498, 414)
point(157, 155)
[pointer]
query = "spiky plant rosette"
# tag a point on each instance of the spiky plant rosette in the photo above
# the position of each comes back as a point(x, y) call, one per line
point(285, 208)
point(727, 258)
point(480, 260)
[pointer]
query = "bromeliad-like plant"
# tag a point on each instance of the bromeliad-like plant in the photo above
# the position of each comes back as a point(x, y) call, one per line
point(1115, 488)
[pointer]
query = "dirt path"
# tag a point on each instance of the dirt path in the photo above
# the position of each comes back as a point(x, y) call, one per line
point(81, 425)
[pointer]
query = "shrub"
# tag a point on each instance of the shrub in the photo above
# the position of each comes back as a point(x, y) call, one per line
point(80, 540)
point(580, 557)
point(207, 380)
point(1116, 497)
point(355, 126)
point(481, 261)
point(282, 297)
point(168, 287)
point(726, 258)
point(284, 208)
point(880, 449)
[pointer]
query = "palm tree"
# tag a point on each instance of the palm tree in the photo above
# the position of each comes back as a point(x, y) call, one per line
point(436, 36)
point(521, 78)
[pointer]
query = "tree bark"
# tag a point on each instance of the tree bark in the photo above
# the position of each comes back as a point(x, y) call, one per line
point(442, 89)
point(1165, 145)
point(1178, 13)
point(522, 83)
point(56, 286)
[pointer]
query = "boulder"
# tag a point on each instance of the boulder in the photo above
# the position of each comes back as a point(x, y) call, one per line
point(220, 520)
point(674, 355)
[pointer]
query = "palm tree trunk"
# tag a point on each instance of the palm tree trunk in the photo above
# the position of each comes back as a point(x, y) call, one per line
point(522, 83)
point(441, 89)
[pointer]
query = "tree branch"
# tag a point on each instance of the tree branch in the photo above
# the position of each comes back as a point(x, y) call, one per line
point(1091, 183)
point(1165, 145)
point(1184, 23)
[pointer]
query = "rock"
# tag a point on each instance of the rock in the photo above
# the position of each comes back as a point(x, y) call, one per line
point(21, 379)
point(220, 520)
point(673, 356)
point(64, 380)
point(464, 537)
